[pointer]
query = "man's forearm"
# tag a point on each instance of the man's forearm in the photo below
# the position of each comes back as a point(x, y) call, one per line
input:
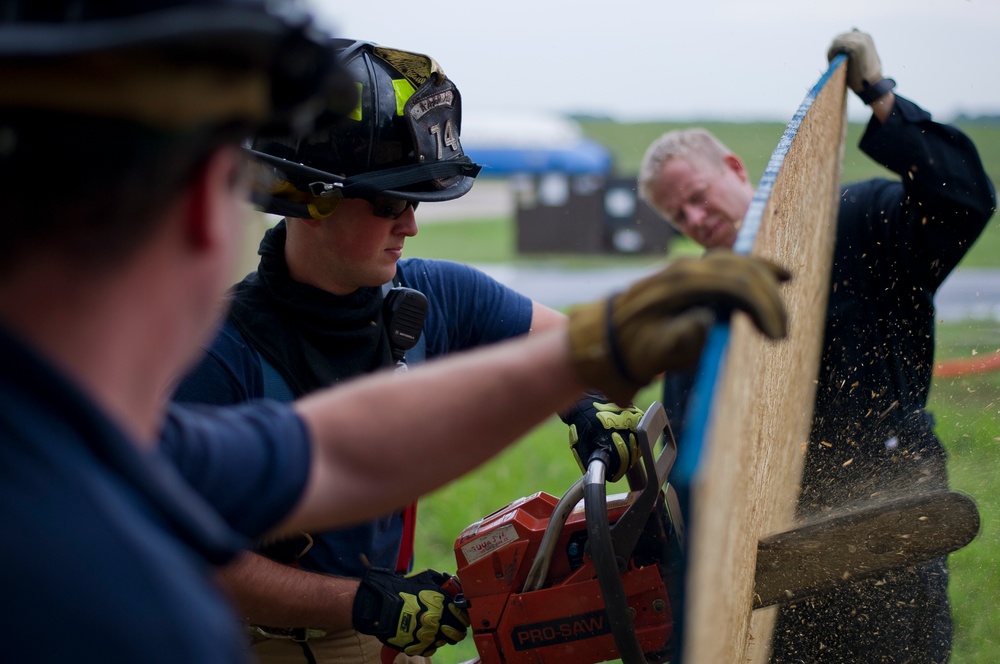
point(269, 593)
point(385, 439)
point(882, 107)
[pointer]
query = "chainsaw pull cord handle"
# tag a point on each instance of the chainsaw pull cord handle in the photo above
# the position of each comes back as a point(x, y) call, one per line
point(595, 496)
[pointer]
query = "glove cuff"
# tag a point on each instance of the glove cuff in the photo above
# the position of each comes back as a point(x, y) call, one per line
point(872, 93)
point(373, 605)
point(573, 414)
point(590, 353)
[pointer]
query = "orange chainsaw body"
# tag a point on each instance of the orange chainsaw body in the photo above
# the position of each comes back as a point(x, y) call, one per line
point(564, 621)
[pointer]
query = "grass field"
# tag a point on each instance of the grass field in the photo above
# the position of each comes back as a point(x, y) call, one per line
point(967, 409)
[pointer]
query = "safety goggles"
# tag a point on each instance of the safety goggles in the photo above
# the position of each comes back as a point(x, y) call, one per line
point(390, 207)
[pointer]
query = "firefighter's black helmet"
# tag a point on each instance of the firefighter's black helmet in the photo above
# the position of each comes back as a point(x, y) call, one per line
point(401, 140)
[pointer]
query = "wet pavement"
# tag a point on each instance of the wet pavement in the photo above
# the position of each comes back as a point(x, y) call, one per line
point(967, 294)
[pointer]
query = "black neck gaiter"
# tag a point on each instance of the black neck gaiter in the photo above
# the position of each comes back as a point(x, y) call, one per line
point(312, 337)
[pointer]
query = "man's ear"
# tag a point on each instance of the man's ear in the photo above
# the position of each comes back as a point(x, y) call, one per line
point(736, 165)
point(216, 189)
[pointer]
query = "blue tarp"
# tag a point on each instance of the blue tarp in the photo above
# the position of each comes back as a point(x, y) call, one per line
point(586, 157)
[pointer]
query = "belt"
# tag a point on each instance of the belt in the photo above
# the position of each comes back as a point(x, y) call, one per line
point(300, 634)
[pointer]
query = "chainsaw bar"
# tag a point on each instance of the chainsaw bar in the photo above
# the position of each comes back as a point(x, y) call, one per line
point(848, 546)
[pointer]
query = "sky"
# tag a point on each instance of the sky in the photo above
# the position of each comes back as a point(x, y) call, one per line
point(637, 60)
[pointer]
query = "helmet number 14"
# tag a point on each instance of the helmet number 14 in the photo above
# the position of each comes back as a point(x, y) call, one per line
point(447, 138)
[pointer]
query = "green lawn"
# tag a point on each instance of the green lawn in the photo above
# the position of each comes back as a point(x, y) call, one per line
point(967, 409)
point(968, 415)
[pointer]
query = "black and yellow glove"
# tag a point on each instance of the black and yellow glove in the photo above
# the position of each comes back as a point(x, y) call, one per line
point(660, 323)
point(596, 425)
point(414, 614)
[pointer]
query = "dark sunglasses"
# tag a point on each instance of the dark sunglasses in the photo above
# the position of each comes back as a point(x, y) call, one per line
point(390, 207)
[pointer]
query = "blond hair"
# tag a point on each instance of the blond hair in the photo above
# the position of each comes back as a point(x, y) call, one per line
point(695, 142)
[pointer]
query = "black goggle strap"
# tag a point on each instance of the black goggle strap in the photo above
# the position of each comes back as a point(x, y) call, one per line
point(282, 196)
point(387, 207)
point(277, 190)
point(298, 174)
point(365, 185)
point(283, 207)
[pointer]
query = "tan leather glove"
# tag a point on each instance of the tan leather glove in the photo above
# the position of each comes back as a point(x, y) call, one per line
point(660, 323)
point(864, 69)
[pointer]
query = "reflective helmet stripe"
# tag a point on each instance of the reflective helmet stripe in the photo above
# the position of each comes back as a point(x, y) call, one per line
point(404, 90)
point(356, 113)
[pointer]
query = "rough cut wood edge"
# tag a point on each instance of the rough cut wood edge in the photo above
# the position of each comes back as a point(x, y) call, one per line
point(763, 404)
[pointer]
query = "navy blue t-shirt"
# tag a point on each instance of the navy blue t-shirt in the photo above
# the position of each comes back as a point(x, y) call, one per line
point(466, 308)
point(108, 552)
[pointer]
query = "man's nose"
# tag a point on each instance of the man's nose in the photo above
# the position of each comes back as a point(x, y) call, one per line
point(407, 222)
point(694, 215)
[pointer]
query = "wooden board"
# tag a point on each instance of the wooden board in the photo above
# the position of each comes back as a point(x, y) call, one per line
point(750, 467)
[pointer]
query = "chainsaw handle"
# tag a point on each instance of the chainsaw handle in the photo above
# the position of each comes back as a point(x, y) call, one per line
point(540, 566)
point(595, 496)
point(629, 527)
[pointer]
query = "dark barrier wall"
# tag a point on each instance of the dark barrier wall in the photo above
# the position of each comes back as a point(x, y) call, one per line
point(586, 215)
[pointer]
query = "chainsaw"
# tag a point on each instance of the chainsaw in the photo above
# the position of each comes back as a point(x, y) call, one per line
point(590, 577)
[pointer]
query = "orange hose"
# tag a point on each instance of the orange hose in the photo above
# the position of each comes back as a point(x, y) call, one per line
point(967, 365)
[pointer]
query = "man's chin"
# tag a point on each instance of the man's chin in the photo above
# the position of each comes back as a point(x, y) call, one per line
point(724, 239)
